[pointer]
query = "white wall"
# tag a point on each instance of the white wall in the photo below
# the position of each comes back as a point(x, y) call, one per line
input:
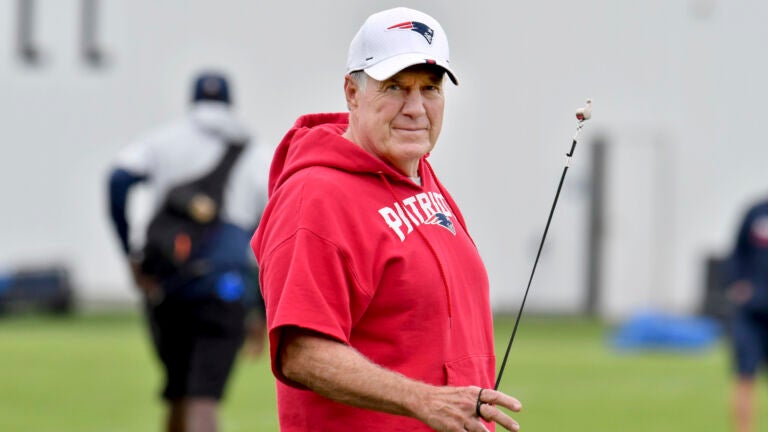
point(679, 90)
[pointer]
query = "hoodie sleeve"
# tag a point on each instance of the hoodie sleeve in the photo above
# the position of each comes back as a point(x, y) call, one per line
point(309, 284)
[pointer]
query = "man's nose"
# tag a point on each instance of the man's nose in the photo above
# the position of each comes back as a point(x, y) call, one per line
point(414, 104)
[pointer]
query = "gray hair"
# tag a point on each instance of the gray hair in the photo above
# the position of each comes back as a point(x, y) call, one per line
point(360, 78)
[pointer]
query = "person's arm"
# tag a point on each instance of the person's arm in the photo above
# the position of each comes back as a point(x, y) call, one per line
point(339, 372)
point(120, 183)
point(255, 320)
point(740, 288)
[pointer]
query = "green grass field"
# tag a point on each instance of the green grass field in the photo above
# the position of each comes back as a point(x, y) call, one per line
point(96, 373)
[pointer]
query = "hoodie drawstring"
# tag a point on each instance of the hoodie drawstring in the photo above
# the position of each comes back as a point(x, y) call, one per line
point(429, 246)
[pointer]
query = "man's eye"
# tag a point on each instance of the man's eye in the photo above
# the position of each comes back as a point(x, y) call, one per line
point(393, 87)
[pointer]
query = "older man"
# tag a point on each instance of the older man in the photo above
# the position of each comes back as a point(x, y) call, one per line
point(377, 299)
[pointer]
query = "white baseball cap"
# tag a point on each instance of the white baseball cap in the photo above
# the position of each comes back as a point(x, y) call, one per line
point(392, 40)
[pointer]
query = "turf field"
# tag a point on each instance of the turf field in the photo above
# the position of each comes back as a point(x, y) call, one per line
point(95, 373)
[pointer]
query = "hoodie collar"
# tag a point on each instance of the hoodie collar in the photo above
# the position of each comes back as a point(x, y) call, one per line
point(316, 140)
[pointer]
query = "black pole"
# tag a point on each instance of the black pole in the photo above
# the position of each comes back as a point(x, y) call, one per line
point(538, 255)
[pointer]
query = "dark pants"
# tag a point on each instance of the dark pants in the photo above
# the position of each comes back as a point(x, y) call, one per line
point(197, 341)
point(749, 330)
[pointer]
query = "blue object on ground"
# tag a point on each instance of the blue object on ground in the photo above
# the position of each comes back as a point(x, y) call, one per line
point(657, 331)
point(45, 288)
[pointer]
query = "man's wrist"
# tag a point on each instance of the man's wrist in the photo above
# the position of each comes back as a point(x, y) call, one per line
point(414, 398)
point(135, 257)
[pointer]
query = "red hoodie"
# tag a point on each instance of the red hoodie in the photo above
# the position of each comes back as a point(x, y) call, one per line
point(351, 248)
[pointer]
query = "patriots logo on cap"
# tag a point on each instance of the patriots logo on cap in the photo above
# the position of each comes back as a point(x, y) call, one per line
point(441, 219)
point(416, 26)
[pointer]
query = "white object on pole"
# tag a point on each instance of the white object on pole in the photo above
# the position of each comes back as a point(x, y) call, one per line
point(585, 112)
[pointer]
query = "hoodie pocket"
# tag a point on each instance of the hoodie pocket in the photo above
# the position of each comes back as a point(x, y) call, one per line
point(479, 370)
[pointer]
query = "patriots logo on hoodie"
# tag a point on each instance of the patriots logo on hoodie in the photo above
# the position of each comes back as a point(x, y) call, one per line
point(416, 26)
point(442, 220)
point(429, 208)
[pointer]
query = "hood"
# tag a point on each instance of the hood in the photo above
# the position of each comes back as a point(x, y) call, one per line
point(315, 140)
point(216, 118)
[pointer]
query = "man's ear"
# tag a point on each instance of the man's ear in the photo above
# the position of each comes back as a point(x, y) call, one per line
point(351, 92)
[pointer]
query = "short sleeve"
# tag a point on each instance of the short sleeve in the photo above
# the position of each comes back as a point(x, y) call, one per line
point(307, 282)
point(136, 158)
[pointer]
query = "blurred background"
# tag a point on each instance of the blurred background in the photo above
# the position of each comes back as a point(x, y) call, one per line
point(677, 88)
point(657, 188)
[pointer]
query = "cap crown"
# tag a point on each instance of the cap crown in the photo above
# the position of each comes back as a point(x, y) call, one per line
point(211, 86)
point(391, 40)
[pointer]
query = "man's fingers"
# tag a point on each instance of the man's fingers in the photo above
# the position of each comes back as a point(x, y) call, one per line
point(489, 401)
point(491, 413)
point(494, 397)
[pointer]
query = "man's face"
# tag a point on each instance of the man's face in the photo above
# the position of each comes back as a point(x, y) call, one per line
point(399, 119)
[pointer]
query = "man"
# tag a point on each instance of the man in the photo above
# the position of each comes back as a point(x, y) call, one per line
point(197, 300)
point(749, 321)
point(377, 300)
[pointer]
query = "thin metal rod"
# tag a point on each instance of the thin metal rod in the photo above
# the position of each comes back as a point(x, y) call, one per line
point(538, 254)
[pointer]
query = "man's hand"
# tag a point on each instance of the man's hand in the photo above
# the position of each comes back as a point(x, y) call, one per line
point(456, 409)
point(146, 283)
point(339, 372)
